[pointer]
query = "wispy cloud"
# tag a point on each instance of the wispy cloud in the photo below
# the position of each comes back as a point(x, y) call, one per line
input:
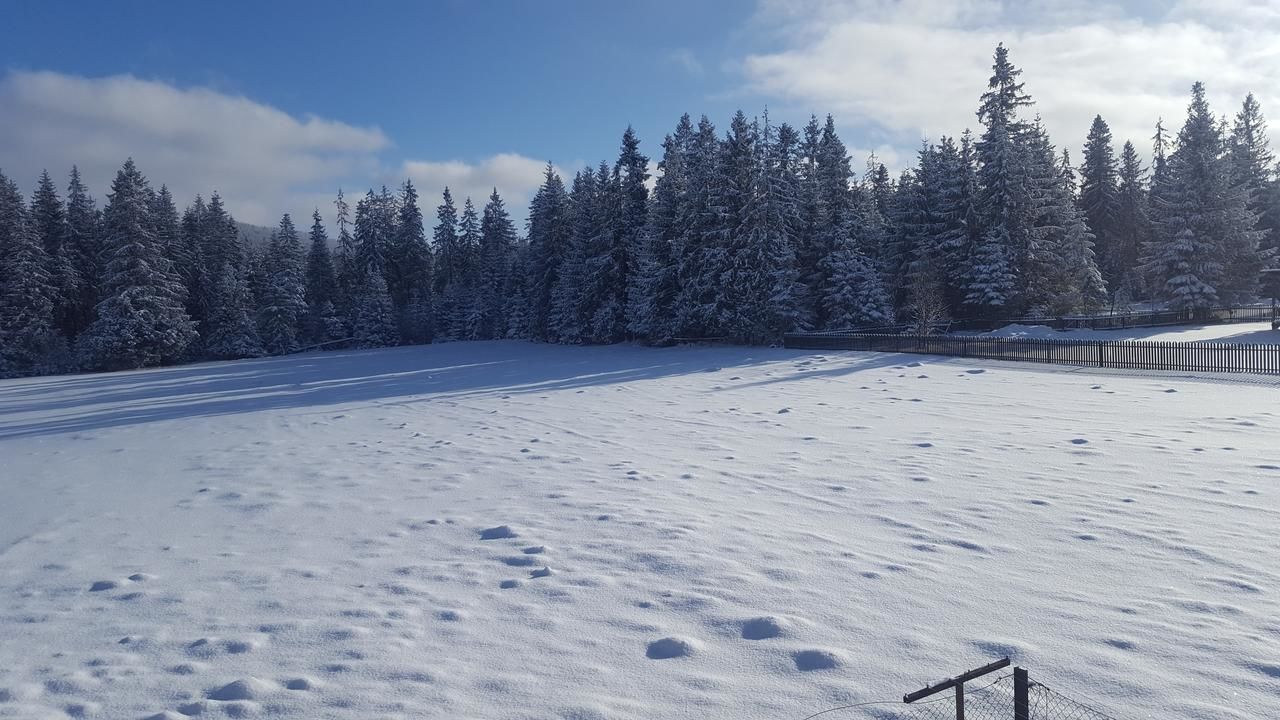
point(684, 59)
point(262, 160)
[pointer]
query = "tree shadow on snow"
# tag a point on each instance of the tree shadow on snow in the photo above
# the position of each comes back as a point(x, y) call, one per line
point(81, 403)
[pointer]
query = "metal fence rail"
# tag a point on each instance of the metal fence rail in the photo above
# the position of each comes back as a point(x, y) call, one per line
point(1129, 354)
point(1104, 321)
point(1013, 696)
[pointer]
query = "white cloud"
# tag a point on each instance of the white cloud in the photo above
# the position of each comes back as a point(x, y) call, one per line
point(684, 59)
point(515, 176)
point(899, 71)
point(262, 160)
point(196, 140)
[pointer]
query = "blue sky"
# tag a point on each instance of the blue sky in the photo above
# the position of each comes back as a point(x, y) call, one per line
point(456, 79)
point(276, 104)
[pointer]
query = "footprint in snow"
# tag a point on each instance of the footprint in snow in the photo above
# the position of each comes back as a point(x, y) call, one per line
point(668, 648)
point(501, 532)
point(1079, 441)
point(810, 660)
point(762, 628)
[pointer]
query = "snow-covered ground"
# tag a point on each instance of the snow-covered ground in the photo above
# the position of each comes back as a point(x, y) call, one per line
point(305, 537)
point(1237, 333)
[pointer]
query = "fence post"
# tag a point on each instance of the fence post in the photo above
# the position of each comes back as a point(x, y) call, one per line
point(1021, 695)
point(960, 701)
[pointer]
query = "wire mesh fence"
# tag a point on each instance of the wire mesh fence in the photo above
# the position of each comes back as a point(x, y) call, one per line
point(998, 699)
point(1047, 704)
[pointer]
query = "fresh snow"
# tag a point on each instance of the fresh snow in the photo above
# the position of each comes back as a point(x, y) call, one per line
point(1236, 334)
point(511, 530)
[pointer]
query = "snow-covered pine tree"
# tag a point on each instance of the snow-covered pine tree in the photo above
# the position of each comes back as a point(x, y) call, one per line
point(516, 306)
point(164, 218)
point(221, 236)
point(1254, 166)
point(1250, 151)
point(854, 295)
point(321, 284)
point(1060, 273)
point(699, 223)
point(549, 233)
point(1100, 198)
point(808, 251)
point(836, 220)
point(653, 292)
point(760, 282)
point(49, 222)
point(344, 257)
point(283, 304)
point(1205, 249)
point(187, 256)
point(953, 205)
point(601, 309)
point(84, 245)
point(1132, 230)
point(497, 247)
point(374, 325)
point(632, 169)
point(370, 246)
point(468, 316)
point(231, 331)
point(912, 249)
point(996, 278)
point(141, 320)
point(409, 269)
point(449, 271)
point(29, 341)
point(566, 321)
point(732, 190)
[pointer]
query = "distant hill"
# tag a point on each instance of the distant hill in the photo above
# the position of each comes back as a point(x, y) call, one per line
point(255, 235)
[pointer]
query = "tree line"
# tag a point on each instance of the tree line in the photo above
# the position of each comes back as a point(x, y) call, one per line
point(745, 235)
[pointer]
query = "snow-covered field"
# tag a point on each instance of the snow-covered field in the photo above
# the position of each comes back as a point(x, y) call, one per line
point(305, 537)
point(1237, 333)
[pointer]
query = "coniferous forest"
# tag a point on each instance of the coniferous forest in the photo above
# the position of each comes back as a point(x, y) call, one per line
point(748, 232)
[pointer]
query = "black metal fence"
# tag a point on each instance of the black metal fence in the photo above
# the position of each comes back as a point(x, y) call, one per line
point(1106, 321)
point(1129, 354)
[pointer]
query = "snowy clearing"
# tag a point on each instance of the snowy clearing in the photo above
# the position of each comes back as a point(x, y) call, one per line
point(1237, 333)
point(507, 530)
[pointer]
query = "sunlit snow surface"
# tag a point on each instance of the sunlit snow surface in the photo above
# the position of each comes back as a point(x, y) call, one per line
point(689, 533)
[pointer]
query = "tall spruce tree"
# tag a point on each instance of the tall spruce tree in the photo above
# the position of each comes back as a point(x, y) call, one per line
point(49, 222)
point(1132, 230)
point(321, 285)
point(1205, 248)
point(566, 321)
point(409, 269)
point(999, 262)
point(85, 248)
point(698, 223)
point(283, 303)
point(760, 281)
point(497, 248)
point(549, 238)
point(29, 341)
point(141, 320)
point(653, 294)
point(1100, 198)
point(231, 331)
